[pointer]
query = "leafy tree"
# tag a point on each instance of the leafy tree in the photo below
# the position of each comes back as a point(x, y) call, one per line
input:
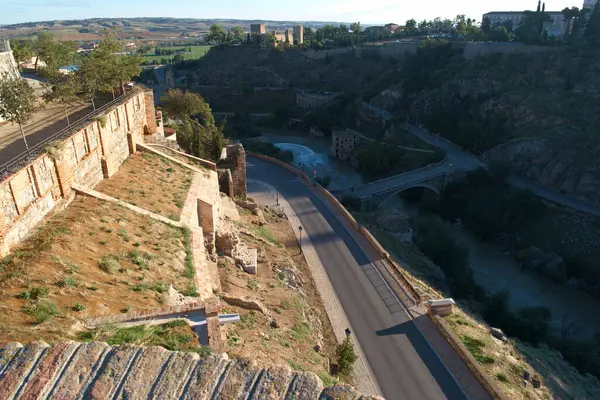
point(499, 34)
point(238, 34)
point(486, 25)
point(592, 32)
point(53, 53)
point(17, 101)
point(346, 357)
point(104, 68)
point(356, 28)
point(216, 34)
point(186, 104)
point(64, 90)
point(410, 27)
point(201, 140)
point(178, 58)
point(22, 50)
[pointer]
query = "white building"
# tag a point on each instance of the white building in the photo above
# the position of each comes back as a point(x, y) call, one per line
point(556, 27)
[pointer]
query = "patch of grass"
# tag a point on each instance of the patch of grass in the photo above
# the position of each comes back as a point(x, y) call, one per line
point(137, 244)
point(300, 331)
point(502, 377)
point(327, 379)
point(179, 202)
point(110, 263)
point(41, 311)
point(248, 321)
point(190, 271)
point(252, 284)
point(475, 347)
point(67, 283)
point(142, 287)
point(160, 287)
point(35, 293)
point(140, 258)
point(191, 291)
point(233, 339)
point(265, 233)
point(124, 234)
point(296, 366)
point(92, 288)
point(77, 307)
point(102, 242)
point(71, 268)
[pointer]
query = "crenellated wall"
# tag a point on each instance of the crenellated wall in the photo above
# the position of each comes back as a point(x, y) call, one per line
point(91, 154)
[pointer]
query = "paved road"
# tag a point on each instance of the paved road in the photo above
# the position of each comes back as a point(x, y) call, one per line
point(403, 363)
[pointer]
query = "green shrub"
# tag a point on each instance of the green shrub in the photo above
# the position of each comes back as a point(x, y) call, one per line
point(502, 377)
point(67, 282)
point(41, 311)
point(77, 307)
point(109, 263)
point(35, 293)
point(475, 347)
point(346, 357)
point(140, 258)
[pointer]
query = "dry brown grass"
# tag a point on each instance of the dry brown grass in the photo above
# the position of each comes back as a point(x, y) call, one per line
point(301, 318)
point(150, 182)
point(94, 258)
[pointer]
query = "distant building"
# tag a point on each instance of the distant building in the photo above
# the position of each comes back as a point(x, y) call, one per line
point(289, 37)
point(343, 143)
point(590, 4)
point(299, 34)
point(281, 37)
point(556, 27)
point(86, 47)
point(257, 29)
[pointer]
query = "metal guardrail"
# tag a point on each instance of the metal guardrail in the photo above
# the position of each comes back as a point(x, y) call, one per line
point(6, 166)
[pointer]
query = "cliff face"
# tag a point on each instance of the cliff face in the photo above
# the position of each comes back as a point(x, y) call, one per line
point(536, 113)
point(98, 371)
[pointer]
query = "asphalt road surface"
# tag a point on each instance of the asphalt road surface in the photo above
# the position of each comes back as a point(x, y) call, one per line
point(402, 362)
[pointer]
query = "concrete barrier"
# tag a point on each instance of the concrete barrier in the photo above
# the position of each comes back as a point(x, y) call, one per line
point(466, 356)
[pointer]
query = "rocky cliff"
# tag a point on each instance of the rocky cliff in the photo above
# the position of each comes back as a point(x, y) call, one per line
point(71, 370)
point(536, 113)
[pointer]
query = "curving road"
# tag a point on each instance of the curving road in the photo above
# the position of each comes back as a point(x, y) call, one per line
point(402, 362)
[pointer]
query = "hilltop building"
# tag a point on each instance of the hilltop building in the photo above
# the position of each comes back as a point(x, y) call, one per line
point(289, 37)
point(257, 29)
point(298, 34)
point(556, 27)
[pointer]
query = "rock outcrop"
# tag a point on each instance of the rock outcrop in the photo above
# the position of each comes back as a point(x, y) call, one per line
point(70, 370)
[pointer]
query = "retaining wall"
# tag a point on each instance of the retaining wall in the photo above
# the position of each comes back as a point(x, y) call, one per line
point(398, 274)
point(466, 356)
point(86, 157)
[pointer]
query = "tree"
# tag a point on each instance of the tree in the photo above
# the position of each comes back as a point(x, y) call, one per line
point(355, 28)
point(499, 34)
point(238, 34)
point(53, 53)
point(22, 50)
point(486, 26)
point(177, 58)
point(346, 357)
point(17, 102)
point(410, 27)
point(184, 105)
point(216, 34)
point(592, 32)
point(104, 68)
point(64, 90)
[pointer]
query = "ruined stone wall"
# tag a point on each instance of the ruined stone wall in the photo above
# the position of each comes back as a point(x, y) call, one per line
point(236, 157)
point(89, 155)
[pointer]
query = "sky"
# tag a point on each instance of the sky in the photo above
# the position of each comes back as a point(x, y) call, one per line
point(367, 12)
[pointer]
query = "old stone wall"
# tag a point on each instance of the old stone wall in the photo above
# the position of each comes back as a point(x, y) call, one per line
point(236, 157)
point(91, 154)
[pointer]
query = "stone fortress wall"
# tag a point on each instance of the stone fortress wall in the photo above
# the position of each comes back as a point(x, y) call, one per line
point(85, 158)
point(397, 50)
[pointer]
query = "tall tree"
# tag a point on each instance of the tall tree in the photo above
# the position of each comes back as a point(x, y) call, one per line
point(410, 26)
point(18, 102)
point(186, 104)
point(486, 25)
point(22, 50)
point(217, 35)
point(238, 34)
point(592, 32)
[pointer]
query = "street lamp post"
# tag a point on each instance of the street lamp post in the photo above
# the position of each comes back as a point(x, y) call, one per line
point(277, 192)
point(300, 240)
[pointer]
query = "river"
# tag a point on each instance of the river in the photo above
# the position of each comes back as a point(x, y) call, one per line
point(492, 268)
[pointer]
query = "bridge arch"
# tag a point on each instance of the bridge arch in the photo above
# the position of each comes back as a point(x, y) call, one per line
point(424, 185)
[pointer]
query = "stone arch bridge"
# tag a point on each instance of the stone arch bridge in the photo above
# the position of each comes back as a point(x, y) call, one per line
point(373, 195)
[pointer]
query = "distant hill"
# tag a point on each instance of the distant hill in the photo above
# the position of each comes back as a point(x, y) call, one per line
point(140, 28)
